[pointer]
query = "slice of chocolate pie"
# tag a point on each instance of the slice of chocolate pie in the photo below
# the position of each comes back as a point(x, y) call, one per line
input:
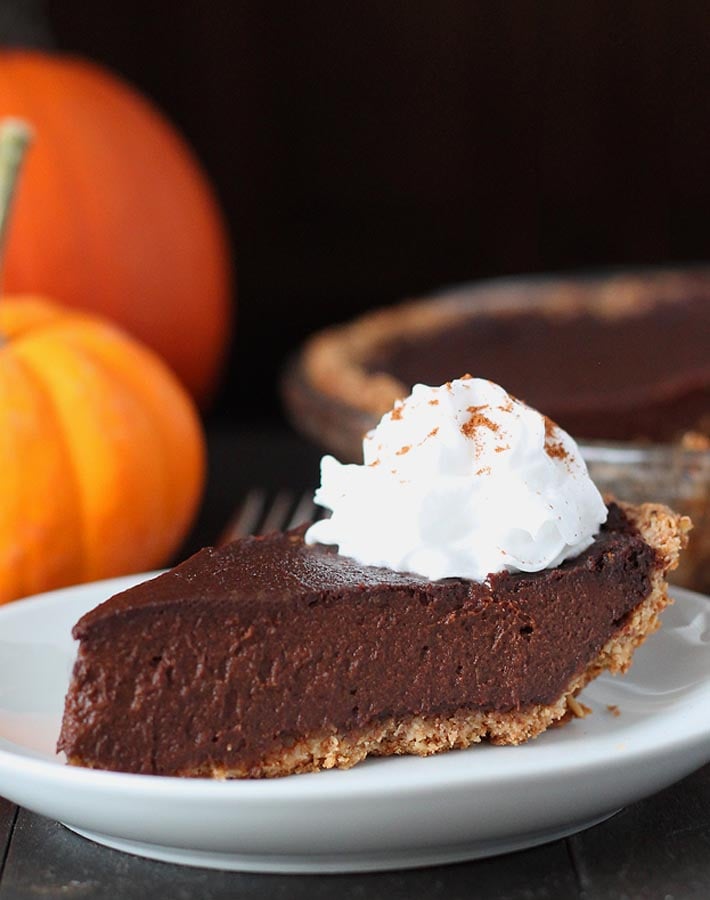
point(481, 583)
point(269, 656)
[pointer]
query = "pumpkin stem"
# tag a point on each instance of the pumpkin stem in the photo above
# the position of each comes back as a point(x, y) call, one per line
point(15, 136)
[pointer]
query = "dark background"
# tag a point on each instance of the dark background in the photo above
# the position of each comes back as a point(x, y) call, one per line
point(366, 151)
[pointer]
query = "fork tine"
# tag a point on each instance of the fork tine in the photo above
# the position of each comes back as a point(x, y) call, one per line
point(247, 516)
point(305, 510)
point(277, 515)
point(258, 514)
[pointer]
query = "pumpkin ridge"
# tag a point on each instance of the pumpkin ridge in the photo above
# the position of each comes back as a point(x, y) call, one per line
point(174, 419)
point(47, 531)
point(115, 492)
point(104, 346)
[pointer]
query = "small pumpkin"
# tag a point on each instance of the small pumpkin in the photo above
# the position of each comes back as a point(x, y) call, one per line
point(115, 215)
point(101, 449)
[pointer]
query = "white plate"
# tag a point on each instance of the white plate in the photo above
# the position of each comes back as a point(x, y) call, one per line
point(384, 813)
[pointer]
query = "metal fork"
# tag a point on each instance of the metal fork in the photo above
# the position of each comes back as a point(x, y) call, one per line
point(262, 511)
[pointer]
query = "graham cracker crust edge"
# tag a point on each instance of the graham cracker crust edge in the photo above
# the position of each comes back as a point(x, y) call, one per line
point(661, 528)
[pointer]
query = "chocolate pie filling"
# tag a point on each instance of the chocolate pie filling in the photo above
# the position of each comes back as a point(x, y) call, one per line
point(618, 377)
point(242, 651)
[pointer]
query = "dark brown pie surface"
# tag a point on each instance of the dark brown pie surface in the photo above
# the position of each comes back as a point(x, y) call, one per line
point(268, 656)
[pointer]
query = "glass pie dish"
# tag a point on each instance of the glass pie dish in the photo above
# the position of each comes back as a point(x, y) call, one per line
point(674, 474)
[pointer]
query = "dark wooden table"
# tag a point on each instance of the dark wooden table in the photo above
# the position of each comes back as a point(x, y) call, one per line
point(658, 849)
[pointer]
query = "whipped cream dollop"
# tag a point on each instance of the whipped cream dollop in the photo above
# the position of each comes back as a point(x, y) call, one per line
point(461, 480)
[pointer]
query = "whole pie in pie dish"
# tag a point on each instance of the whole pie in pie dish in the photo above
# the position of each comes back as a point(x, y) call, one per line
point(610, 357)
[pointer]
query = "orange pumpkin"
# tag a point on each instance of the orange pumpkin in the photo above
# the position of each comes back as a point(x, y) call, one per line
point(101, 451)
point(114, 214)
